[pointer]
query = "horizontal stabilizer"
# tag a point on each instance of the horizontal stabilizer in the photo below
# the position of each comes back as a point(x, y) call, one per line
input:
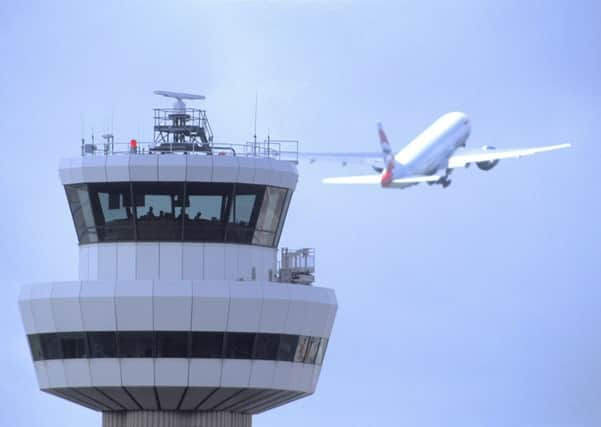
point(361, 179)
point(377, 179)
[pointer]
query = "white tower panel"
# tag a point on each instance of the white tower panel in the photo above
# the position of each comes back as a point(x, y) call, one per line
point(144, 168)
point(94, 169)
point(172, 305)
point(172, 168)
point(66, 309)
point(170, 261)
point(134, 305)
point(117, 168)
point(97, 301)
point(210, 305)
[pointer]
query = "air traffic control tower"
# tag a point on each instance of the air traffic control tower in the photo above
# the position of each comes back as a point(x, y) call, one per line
point(183, 315)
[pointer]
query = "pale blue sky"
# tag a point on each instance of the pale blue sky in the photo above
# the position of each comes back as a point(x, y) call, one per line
point(472, 306)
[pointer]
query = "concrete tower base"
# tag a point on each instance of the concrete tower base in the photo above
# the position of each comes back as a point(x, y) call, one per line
point(175, 419)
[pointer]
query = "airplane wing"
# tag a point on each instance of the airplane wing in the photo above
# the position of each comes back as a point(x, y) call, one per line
point(377, 179)
point(342, 158)
point(489, 154)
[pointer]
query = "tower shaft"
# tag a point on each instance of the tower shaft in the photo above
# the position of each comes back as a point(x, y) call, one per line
point(175, 419)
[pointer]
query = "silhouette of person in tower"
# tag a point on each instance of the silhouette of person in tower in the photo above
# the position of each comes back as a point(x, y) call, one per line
point(150, 214)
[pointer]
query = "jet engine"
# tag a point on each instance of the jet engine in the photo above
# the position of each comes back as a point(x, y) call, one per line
point(489, 164)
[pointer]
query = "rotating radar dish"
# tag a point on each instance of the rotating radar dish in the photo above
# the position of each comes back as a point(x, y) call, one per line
point(179, 97)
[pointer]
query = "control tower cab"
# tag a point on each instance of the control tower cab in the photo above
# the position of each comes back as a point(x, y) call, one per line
point(182, 315)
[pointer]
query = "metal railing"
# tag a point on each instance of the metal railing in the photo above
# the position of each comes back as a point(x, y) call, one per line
point(297, 266)
point(271, 149)
point(173, 125)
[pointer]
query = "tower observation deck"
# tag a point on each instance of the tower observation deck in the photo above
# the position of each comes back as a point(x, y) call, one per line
point(183, 315)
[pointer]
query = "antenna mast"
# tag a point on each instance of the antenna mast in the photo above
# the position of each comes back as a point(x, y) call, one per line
point(256, 109)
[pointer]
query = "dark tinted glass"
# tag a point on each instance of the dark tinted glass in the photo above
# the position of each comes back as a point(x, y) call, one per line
point(239, 345)
point(172, 344)
point(102, 344)
point(244, 213)
point(146, 344)
point(81, 211)
point(301, 349)
point(176, 211)
point(159, 210)
point(113, 210)
point(266, 346)
point(51, 347)
point(207, 344)
point(135, 344)
point(73, 345)
point(269, 218)
point(287, 347)
point(322, 351)
point(312, 350)
point(36, 347)
point(207, 207)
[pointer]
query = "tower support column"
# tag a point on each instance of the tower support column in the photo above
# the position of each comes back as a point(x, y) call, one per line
point(175, 419)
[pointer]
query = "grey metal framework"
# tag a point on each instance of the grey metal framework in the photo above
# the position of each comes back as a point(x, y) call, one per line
point(172, 126)
point(188, 131)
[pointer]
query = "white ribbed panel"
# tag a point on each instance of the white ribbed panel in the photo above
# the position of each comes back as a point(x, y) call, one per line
point(117, 169)
point(175, 419)
point(175, 261)
point(191, 168)
point(144, 168)
point(178, 305)
point(225, 169)
point(196, 305)
point(93, 168)
point(172, 168)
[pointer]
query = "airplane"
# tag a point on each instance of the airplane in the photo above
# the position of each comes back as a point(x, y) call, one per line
point(429, 158)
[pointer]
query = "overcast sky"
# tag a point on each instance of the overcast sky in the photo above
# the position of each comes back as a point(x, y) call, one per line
point(477, 305)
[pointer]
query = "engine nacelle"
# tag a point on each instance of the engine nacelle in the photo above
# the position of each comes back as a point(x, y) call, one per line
point(486, 166)
point(489, 164)
point(378, 166)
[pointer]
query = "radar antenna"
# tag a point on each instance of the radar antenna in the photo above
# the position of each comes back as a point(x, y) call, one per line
point(179, 104)
point(181, 128)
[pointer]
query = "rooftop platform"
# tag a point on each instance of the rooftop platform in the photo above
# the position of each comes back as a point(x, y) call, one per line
point(285, 150)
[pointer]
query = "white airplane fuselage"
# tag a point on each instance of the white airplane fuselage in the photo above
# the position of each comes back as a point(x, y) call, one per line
point(431, 156)
point(430, 151)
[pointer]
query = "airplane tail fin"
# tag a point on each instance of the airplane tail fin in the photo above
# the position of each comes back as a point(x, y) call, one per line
point(387, 155)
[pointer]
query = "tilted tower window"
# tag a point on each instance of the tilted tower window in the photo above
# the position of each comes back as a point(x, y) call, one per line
point(159, 209)
point(177, 344)
point(177, 211)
